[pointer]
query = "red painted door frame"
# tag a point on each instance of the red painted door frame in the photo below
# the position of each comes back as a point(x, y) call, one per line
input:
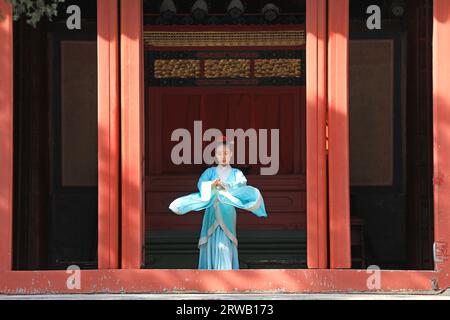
point(338, 135)
point(132, 129)
point(441, 109)
point(316, 167)
point(6, 136)
point(108, 134)
point(132, 118)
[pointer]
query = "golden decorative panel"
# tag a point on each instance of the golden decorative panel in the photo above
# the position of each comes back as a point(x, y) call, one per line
point(227, 68)
point(282, 68)
point(256, 67)
point(177, 68)
point(218, 38)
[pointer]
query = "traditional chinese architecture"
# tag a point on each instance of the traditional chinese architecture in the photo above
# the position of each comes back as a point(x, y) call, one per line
point(358, 90)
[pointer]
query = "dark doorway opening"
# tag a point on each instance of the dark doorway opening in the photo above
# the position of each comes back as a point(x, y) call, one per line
point(391, 134)
point(224, 99)
point(55, 142)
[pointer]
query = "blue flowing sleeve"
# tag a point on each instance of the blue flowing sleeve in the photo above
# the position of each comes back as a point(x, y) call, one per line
point(196, 201)
point(237, 194)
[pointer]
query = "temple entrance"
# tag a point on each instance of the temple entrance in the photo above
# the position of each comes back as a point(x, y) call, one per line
point(228, 70)
point(225, 76)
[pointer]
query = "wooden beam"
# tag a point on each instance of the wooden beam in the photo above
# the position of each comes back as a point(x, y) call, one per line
point(316, 59)
point(108, 134)
point(441, 98)
point(6, 136)
point(213, 281)
point(338, 122)
point(132, 112)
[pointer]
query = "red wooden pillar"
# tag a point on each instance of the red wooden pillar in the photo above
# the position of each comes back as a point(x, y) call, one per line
point(441, 97)
point(338, 122)
point(108, 134)
point(316, 95)
point(132, 111)
point(6, 136)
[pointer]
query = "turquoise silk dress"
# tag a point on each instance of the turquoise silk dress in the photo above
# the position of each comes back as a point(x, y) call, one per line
point(218, 242)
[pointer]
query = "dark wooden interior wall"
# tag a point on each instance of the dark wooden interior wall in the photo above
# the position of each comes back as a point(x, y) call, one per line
point(399, 223)
point(31, 146)
point(33, 218)
point(420, 227)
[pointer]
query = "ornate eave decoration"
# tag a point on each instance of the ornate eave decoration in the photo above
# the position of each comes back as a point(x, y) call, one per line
point(224, 38)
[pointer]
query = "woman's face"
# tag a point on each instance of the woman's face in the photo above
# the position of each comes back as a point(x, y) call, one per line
point(223, 155)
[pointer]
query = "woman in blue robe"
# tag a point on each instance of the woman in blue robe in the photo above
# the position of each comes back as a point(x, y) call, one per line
point(222, 189)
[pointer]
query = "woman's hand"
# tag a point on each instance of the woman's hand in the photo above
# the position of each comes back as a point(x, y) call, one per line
point(218, 183)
